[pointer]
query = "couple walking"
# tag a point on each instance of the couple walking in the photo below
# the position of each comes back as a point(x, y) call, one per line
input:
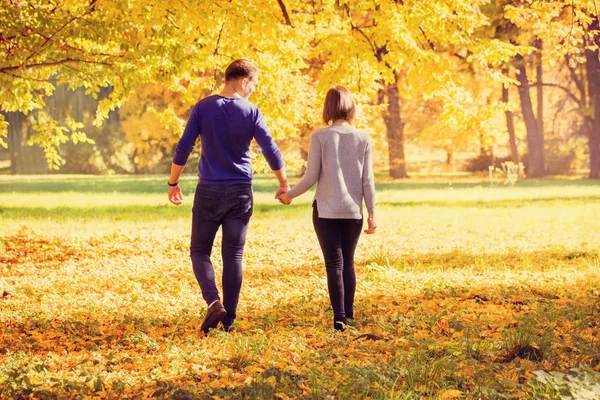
point(339, 161)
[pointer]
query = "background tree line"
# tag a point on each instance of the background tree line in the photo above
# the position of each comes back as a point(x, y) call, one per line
point(105, 86)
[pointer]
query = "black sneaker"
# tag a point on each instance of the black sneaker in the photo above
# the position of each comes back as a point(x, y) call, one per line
point(340, 325)
point(229, 328)
point(214, 315)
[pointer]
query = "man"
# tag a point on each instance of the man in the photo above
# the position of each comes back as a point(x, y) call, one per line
point(226, 124)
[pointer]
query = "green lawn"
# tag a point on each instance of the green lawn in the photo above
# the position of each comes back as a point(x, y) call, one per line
point(466, 290)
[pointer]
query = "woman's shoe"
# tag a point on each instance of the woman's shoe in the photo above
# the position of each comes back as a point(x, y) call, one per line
point(340, 325)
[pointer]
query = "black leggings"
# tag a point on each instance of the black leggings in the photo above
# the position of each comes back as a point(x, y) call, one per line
point(338, 239)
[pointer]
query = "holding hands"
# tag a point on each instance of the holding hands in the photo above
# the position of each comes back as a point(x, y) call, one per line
point(281, 193)
point(284, 198)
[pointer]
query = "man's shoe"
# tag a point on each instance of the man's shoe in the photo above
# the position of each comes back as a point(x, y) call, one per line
point(215, 314)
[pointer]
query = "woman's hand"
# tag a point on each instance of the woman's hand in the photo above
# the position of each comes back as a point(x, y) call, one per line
point(285, 199)
point(371, 225)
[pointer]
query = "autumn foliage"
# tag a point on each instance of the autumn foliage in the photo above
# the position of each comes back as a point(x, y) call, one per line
point(466, 291)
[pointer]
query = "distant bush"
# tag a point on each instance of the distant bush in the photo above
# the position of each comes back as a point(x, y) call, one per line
point(484, 161)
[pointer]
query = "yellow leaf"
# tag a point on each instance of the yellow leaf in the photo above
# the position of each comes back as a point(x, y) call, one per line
point(451, 394)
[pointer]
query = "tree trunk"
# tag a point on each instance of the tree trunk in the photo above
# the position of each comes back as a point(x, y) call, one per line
point(395, 132)
point(593, 75)
point(305, 133)
point(540, 88)
point(486, 153)
point(535, 143)
point(15, 141)
point(449, 159)
point(510, 124)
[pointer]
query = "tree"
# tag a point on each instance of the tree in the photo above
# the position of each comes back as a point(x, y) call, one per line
point(388, 49)
point(510, 124)
point(120, 45)
point(571, 34)
point(535, 142)
point(592, 57)
point(385, 51)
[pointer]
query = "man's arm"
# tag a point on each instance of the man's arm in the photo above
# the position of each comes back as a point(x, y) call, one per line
point(182, 152)
point(267, 145)
point(175, 195)
point(284, 187)
point(271, 152)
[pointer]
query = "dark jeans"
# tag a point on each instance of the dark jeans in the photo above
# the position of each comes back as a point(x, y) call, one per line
point(229, 206)
point(338, 239)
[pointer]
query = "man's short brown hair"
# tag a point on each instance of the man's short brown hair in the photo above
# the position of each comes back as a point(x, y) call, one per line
point(338, 105)
point(241, 69)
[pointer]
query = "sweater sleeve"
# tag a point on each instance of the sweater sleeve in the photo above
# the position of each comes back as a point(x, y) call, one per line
point(368, 180)
point(313, 169)
point(188, 139)
point(267, 144)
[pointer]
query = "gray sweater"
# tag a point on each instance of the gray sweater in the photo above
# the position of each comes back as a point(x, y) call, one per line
point(339, 159)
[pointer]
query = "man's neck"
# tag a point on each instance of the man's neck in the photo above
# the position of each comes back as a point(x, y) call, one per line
point(229, 91)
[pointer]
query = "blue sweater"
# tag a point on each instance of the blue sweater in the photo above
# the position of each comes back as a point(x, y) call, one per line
point(226, 127)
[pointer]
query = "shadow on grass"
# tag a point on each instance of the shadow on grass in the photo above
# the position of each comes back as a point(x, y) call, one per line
point(496, 203)
point(168, 211)
point(419, 184)
point(153, 184)
point(129, 212)
point(142, 184)
point(541, 260)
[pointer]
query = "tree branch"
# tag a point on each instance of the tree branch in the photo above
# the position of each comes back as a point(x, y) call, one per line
point(378, 52)
point(170, 20)
point(88, 53)
point(6, 39)
point(561, 106)
point(50, 64)
point(572, 24)
point(566, 90)
point(426, 38)
point(28, 78)
point(285, 13)
point(48, 39)
point(578, 82)
point(373, 47)
point(219, 38)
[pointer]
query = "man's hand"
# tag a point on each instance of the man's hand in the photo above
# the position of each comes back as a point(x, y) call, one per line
point(283, 188)
point(371, 225)
point(175, 195)
point(285, 199)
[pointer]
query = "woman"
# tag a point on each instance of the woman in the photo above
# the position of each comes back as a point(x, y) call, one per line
point(339, 160)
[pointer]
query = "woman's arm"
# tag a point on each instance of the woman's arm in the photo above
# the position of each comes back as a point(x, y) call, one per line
point(313, 169)
point(368, 180)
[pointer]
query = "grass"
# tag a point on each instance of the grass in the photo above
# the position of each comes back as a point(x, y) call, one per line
point(467, 290)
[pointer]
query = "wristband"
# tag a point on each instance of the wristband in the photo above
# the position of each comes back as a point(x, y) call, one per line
point(173, 184)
